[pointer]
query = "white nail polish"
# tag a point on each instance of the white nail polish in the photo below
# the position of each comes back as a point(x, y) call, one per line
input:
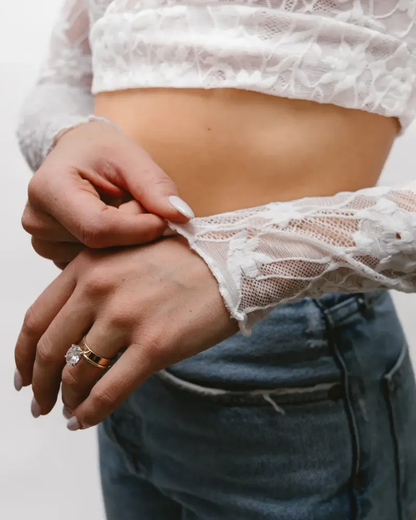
point(181, 206)
point(35, 409)
point(18, 381)
point(73, 424)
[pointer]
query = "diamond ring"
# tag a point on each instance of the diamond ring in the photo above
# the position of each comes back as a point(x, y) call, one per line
point(76, 352)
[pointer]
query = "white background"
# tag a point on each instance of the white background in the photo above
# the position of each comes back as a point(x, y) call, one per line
point(47, 472)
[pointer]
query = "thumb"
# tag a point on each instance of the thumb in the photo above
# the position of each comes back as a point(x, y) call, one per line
point(77, 206)
point(154, 189)
point(133, 207)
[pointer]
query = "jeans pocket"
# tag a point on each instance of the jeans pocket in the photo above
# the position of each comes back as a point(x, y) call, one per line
point(401, 397)
point(286, 453)
point(276, 397)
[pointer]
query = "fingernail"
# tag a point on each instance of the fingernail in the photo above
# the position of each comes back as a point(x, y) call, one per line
point(73, 424)
point(169, 232)
point(35, 409)
point(18, 381)
point(181, 206)
point(66, 413)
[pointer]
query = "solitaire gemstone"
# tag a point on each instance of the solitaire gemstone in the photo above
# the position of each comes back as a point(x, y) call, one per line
point(73, 355)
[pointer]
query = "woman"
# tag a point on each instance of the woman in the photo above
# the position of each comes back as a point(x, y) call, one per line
point(240, 104)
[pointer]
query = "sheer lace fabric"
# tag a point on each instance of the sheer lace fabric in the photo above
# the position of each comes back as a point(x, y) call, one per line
point(356, 54)
point(62, 97)
point(282, 252)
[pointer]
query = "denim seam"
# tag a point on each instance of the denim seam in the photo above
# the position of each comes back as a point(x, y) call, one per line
point(391, 384)
point(218, 391)
point(396, 449)
point(357, 302)
point(331, 326)
point(266, 394)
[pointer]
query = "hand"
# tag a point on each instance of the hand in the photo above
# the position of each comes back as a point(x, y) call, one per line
point(158, 303)
point(81, 195)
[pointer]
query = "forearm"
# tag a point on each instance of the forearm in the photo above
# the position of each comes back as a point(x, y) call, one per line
point(49, 110)
point(62, 95)
point(278, 253)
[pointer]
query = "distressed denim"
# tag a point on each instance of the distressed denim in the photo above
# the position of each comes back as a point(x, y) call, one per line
point(313, 417)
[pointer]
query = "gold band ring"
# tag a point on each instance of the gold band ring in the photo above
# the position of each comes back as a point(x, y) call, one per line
point(93, 358)
point(76, 352)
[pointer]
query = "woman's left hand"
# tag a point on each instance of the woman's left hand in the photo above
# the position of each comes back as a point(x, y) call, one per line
point(157, 303)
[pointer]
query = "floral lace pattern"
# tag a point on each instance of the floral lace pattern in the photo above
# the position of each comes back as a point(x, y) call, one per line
point(282, 252)
point(62, 97)
point(358, 54)
point(354, 53)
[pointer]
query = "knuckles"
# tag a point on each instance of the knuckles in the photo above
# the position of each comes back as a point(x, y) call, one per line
point(96, 233)
point(153, 346)
point(70, 380)
point(42, 248)
point(99, 274)
point(98, 282)
point(28, 224)
point(92, 234)
point(122, 317)
point(60, 252)
point(35, 188)
point(31, 325)
point(102, 398)
point(106, 160)
point(46, 354)
point(33, 191)
point(154, 181)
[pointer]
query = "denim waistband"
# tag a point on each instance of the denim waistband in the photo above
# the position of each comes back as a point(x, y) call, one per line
point(341, 306)
point(296, 343)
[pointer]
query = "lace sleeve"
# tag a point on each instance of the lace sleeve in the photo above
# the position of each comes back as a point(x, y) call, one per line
point(278, 253)
point(62, 96)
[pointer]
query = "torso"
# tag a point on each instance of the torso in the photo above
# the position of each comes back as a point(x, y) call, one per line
point(228, 149)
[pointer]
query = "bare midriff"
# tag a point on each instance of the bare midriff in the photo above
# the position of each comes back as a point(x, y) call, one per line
point(228, 149)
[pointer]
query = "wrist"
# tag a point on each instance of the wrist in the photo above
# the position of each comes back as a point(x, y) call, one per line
point(92, 119)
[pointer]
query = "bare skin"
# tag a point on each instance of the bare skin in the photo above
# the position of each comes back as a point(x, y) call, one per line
point(220, 150)
point(229, 149)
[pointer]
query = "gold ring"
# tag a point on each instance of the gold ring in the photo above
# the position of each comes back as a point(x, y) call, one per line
point(93, 358)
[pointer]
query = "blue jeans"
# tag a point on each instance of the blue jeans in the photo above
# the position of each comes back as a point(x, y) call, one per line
point(313, 417)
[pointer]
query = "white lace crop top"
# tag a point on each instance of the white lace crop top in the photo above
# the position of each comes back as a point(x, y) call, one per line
point(355, 54)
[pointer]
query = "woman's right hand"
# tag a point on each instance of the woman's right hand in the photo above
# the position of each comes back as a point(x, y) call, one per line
point(97, 188)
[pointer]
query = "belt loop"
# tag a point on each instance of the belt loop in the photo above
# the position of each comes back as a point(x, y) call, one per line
point(368, 300)
point(362, 300)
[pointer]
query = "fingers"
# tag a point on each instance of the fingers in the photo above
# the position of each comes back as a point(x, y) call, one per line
point(130, 371)
point(61, 265)
point(69, 326)
point(150, 185)
point(133, 207)
point(60, 252)
point(38, 318)
point(77, 381)
point(79, 209)
point(44, 227)
point(112, 160)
